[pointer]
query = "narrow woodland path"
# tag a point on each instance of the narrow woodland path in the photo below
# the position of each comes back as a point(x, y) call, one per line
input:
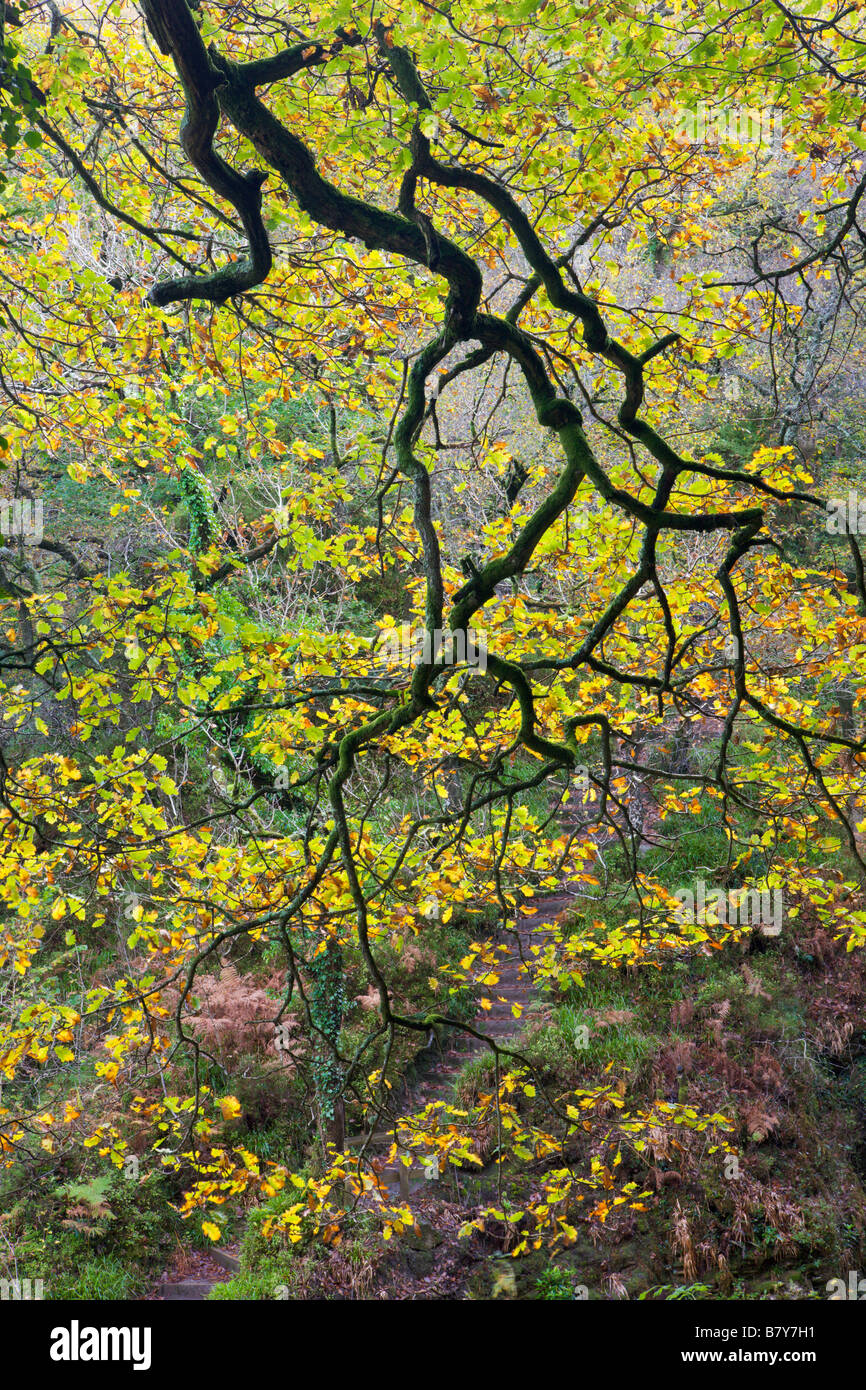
point(435, 1078)
point(495, 1017)
point(434, 1082)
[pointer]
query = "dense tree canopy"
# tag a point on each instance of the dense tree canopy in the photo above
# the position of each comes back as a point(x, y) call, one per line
point(462, 395)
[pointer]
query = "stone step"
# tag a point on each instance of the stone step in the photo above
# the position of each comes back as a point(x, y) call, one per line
point(229, 1262)
point(187, 1290)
